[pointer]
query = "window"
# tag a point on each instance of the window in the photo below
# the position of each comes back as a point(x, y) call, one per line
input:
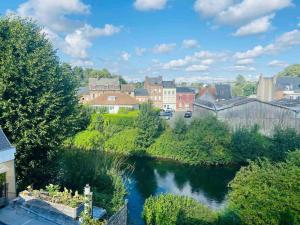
point(169, 92)
point(111, 98)
point(159, 98)
point(159, 90)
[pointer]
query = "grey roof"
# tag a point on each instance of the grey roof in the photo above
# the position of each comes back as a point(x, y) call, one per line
point(4, 142)
point(223, 91)
point(104, 83)
point(223, 104)
point(293, 104)
point(154, 80)
point(169, 84)
point(127, 87)
point(140, 92)
point(288, 83)
point(184, 90)
point(83, 90)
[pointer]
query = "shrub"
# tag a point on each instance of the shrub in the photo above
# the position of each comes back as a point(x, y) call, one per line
point(180, 127)
point(266, 193)
point(122, 120)
point(149, 126)
point(284, 140)
point(123, 142)
point(172, 210)
point(249, 144)
point(88, 140)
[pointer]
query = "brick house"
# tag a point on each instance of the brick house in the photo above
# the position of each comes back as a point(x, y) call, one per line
point(185, 98)
point(7, 170)
point(154, 86)
point(103, 85)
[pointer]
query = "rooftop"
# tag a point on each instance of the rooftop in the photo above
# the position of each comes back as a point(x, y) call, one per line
point(140, 92)
point(127, 87)
point(83, 90)
point(4, 142)
point(223, 91)
point(293, 104)
point(288, 83)
point(154, 80)
point(114, 99)
point(184, 90)
point(104, 83)
point(169, 84)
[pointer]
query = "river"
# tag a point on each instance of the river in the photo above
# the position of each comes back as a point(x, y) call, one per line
point(154, 177)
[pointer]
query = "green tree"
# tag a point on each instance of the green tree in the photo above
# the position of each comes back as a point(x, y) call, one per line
point(149, 126)
point(292, 70)
point(38, 103)
point(266, 193)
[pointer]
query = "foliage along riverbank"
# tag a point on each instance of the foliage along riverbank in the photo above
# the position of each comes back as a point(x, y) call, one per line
point(261, 193)
point(203, 142)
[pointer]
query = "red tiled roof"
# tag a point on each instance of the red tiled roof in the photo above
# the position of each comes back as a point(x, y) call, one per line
point(113, 99)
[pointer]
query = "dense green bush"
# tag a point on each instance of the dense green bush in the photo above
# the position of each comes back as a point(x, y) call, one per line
point(249, 144)
point(267, 193)
point(88, 140)
point(176, 210)
point(284, 140)
point(149, 126)
point(123, 142)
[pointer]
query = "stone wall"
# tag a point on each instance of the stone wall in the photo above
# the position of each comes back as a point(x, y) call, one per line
point(120, 217)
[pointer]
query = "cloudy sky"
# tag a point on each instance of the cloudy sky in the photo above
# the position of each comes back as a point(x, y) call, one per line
point(186, 40)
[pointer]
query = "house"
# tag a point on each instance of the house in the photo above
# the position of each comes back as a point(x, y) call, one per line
point(215, 93)
point(246, 112)
point(98, 86)
point(185, 98)
point(274, 88)
point(114, 101)
point(141, 95)
point(128, 89)
point(169, 95)
point(154, 86)
point(84, 94)
point(7, 170)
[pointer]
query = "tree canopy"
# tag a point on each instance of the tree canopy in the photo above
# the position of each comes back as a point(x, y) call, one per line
point(38, 103)
point(292, 70)
point(242, 87)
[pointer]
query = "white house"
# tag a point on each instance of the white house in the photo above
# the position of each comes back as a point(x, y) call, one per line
point(114, 101)
point(169, 95)
point(7, 169)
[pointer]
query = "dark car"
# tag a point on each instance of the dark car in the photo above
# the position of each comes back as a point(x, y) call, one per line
point(188, 114)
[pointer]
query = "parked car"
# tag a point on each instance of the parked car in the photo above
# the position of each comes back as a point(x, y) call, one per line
point(188, 114)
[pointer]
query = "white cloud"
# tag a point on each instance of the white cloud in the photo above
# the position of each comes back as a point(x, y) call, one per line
point(257, 26)
point(248, 10)
point(243, 68)
point(53, 13)
point(286, 40)
point(145, 5)
point(207, 61)
point(125, 56)
point(190, 43)
point(79, 41)
point(140, 51)
point(277, 63)
point(82, 62)
point(196, 68)
point(211, 8)
point(163, 48)
point(195, 79)
point(244, 61)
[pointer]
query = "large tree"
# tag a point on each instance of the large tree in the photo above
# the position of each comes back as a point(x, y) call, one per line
point(292, 70)
point(38, 103)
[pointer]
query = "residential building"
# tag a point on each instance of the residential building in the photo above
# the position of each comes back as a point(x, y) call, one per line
point(207, 93)
point(114, 101)
point(246, 112)
point(141, 95)
point(128, 89)
point(169, 95)
point(84, 94)
point(154, 86)
point(274, 88)
point(7, 170)
point(185, 98)
point(103, 85)
point(216, 92)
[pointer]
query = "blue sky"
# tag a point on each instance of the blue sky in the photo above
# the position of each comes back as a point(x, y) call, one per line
point(186, 40)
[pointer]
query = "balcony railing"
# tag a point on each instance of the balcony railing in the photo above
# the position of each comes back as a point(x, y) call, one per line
point(3, 194)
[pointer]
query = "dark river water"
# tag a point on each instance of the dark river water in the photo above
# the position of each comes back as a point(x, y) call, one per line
point(154, 177)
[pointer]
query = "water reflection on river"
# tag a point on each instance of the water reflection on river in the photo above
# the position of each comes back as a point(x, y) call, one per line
point(150, 177)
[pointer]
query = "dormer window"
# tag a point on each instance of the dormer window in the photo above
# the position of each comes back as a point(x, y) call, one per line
point(111, 98)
